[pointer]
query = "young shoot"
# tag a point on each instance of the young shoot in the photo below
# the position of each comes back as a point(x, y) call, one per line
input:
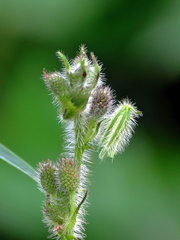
point(93, 122)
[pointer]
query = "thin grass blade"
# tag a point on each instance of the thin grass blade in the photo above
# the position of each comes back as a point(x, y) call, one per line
point(11, 158)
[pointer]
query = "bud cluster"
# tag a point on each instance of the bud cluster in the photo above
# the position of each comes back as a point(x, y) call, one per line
point(72, 87)
point(58, 181)
point(94, 122)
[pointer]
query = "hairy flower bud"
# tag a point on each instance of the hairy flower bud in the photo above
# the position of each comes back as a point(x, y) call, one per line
point(52, 214)
point(118, 129)
point(79, 70)
point(73, 87)
point(101, 101)
point(68, 174)
point(55, 83)
point(47, 177)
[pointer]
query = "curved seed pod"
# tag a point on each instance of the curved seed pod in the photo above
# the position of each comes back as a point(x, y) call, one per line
point(47, 178)
point(118, 129)
point(67, 175)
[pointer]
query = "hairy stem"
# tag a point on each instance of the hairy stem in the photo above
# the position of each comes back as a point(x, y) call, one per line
point(82, 138)
point(78, 157)
point(79, 140)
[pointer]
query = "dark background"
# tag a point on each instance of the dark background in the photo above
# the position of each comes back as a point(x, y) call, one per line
point(137, 196)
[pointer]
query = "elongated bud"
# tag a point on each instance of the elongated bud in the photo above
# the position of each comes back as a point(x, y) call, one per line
point(101, 101)
point(68, 174)
point(118, 129)
point(47, 177)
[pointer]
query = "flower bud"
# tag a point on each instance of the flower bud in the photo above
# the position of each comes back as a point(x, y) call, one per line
point(68, 174)
point(118, 129)
point(79, 69)
point(74, 88)
point(52, 213)
point(47, 177)
point(101, 101)
point(55, 83)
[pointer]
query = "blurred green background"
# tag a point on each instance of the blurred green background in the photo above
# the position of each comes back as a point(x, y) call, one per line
point(137, 197)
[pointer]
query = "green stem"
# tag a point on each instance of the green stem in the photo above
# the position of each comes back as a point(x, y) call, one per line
point(89, 132)
point(78, 155)
point(79, 138)
point(72, 202)
point(82, 138)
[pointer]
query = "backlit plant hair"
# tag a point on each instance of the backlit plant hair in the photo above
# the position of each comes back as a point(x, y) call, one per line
point(93, 122)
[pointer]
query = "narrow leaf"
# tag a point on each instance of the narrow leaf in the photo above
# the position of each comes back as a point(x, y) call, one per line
point(11, 158)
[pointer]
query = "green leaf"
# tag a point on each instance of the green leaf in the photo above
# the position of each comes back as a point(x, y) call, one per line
point(11, 158)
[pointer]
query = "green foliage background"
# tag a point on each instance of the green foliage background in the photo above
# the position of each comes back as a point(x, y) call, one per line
point(137, 197)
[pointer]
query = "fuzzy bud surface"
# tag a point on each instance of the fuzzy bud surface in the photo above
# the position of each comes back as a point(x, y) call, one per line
point(47, 177)
point(68, 174)
point(101, 101)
